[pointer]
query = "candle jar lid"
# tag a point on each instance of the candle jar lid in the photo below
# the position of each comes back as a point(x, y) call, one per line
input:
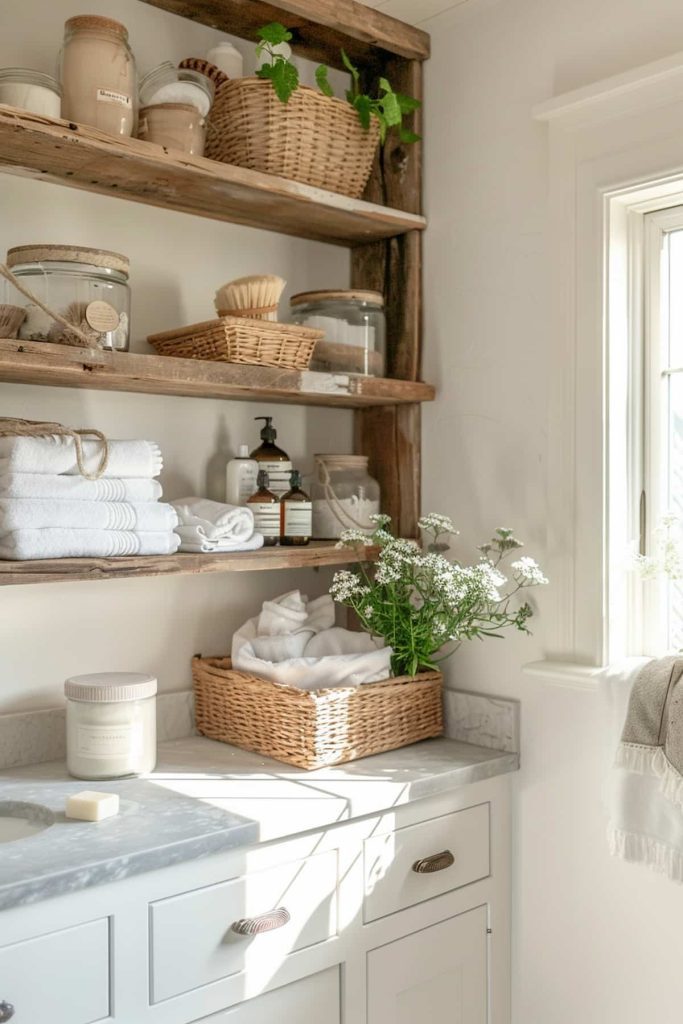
point(110, 687)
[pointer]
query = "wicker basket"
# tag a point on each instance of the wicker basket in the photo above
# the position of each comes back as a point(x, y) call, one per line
point(313, 138)
point(234, 339)
point(313, 728)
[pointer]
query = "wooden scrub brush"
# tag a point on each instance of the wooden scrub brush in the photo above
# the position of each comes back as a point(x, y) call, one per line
point(256, 297)
point(11, 319)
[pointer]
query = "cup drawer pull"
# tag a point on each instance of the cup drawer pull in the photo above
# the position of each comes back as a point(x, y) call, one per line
point(263, 923)
point(437, 862)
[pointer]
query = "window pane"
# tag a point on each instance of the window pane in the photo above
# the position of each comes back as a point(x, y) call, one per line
point(675, 299)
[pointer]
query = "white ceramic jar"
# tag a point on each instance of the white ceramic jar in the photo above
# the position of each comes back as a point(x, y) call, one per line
point(110, 725)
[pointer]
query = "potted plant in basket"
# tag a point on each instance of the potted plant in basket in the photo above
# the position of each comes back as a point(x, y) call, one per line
point(423, 605)
point(269, 122)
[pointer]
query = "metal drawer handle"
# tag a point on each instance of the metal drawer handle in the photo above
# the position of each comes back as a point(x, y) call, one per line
point(437, 862)
point(6, 1012)
point(263, 923)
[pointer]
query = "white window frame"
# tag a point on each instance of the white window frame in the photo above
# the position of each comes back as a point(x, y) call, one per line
point(616, 152)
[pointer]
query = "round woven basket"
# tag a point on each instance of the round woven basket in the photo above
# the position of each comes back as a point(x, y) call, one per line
point(313, 138)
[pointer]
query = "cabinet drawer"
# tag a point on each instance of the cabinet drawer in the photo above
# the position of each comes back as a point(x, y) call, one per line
point(316, 1000)
point(404, 867)
point(62, 977)
point(193, 939)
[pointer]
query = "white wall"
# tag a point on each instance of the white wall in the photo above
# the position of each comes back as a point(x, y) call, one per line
point(48, 632)
point(595, 941)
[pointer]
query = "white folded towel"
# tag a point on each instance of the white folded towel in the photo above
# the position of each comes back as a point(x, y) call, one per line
point(63, 543)
point(216, 520)
point(56, 454)
point(192, 539)
point(39, 513)
point(292, 612)
point(49, 485)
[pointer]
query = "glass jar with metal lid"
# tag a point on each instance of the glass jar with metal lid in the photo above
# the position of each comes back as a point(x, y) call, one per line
point(86, 287)
point(344, 496)
point(31, 90)
point(354, 326)
point(98, 75)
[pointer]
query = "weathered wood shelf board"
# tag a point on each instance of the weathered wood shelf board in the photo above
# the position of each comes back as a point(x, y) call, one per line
point(27, 362)
point(82, 157)
point(65, 570)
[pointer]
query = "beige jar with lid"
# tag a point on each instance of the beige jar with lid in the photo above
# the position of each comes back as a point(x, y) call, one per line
point(98, 75)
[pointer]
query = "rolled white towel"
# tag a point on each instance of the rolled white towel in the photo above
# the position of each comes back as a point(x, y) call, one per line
point(51, 485)
point(216, 520)
point(57, 454)
point(191, 539)
point(65, 543)
point(39, 513)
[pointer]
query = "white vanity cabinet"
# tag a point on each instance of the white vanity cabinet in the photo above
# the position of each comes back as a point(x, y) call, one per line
point(398, 917)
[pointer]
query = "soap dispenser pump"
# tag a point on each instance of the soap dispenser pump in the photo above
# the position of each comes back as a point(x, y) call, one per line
point(272, 459)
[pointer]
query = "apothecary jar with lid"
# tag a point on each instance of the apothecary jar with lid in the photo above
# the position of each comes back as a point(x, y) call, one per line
point(344, 496)
point(98, 75)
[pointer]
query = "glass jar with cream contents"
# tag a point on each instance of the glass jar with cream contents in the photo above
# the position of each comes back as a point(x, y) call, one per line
point(98, 75)
point(110, 725)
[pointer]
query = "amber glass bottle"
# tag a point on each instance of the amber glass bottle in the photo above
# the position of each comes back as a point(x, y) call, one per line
point(266, 508)
point(296, 513)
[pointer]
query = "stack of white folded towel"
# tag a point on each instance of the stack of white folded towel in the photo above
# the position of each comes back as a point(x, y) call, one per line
point(210, 526)
point(49, 510)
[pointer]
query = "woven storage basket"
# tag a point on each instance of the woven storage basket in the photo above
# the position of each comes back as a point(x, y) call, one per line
point(313, 138)
point(234, 339)
point(313, 728)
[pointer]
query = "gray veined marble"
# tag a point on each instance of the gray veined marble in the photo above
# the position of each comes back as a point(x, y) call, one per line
point(483, 720)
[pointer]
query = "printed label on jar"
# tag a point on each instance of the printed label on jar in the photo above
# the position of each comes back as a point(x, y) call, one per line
point(101, 316)
point(109, 96)
point(266, 518)
point(298, 519)
point(106, 741)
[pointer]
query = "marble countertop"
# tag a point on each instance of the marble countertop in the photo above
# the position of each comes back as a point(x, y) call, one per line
point(206, 797)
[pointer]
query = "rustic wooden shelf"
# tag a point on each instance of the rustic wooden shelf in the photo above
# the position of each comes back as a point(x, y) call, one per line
point(65, 570)
point(27, 362)
point(45, 149)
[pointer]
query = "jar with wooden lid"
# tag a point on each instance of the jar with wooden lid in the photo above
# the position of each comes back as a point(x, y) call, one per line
point(354, 326)
point(86, 287)
point(98, 75)
point(344, 496)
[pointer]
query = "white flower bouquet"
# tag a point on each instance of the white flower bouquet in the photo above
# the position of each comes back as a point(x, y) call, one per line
point(421, 604)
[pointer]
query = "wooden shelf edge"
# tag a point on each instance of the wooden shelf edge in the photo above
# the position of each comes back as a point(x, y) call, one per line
point(317, 554)
point(27, 362)
point(81, 157)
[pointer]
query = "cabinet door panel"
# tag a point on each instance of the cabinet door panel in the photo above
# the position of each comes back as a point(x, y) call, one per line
point(315, 1000)
point(438, 975)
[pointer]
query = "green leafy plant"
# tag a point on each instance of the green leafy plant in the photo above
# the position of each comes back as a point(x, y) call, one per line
point(421, 604)
point(389, 108)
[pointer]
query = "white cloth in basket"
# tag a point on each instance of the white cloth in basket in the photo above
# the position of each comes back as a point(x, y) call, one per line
point(314, 654)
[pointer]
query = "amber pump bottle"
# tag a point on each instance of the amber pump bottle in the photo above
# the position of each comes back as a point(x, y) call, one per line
point(266, 508)
point(274, 460)
point(296, 514)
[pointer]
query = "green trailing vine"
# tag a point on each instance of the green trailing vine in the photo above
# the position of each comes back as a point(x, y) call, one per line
point(388, 107)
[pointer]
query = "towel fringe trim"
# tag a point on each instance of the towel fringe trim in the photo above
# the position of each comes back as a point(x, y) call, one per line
point(639, 849)
point(652, 761)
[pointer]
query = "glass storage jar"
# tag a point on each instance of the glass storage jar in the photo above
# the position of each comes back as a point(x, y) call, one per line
point(354, 326)
point(98, 75)
point(88, 287)
point(344, 496)
point(111, 726)
point(169, 84)
point(30, 90)
point(173, 125)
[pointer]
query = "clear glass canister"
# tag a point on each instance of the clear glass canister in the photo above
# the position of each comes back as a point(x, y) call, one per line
point(173, 125)
point(30, 90)
point(87, 287)
point(168, 84)
point(98, 75)
point(344, 496)
point(354, 326)
point(111, 729)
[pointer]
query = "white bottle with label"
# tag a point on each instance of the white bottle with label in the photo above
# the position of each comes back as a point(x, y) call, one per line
point(240, 479)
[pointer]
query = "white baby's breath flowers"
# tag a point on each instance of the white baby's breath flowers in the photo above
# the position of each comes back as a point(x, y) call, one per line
point(346, 585)
point(354, 537)
point(527, 572)
point(436, 523)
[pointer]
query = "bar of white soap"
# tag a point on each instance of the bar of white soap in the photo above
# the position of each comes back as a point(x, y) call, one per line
point(92, 806)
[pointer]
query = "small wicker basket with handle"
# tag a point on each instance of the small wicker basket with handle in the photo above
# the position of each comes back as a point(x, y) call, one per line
point(314, 728)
